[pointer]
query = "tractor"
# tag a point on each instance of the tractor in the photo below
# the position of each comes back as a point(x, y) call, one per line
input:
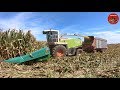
point(60, 46)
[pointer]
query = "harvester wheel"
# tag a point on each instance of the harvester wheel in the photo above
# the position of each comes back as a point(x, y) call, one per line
point(79, 51)
point(59, 51)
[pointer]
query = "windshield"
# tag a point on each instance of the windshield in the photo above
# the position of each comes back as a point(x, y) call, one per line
point(52, 36)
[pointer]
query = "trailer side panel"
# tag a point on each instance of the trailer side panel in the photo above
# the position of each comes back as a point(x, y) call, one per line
point(100, 43)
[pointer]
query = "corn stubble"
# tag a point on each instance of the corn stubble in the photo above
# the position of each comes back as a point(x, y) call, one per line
point(87, 65)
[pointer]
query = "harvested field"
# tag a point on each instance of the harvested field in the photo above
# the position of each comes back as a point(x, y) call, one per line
point(88, 65)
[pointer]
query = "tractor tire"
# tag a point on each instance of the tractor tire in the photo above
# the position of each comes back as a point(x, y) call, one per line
point(78, 52)
point(59, 51)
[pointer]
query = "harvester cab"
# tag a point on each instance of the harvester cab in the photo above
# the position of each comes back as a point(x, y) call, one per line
point(52, 35)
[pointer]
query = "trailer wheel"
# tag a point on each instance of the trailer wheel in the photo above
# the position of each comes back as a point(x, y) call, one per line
point(94, 51)
point(59, 51)
point(103, 50)
point(79, 51)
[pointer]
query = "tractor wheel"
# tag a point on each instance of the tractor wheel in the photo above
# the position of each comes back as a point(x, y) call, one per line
point(59, 51)
point(79, 51)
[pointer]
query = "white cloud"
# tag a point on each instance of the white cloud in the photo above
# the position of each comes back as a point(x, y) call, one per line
point(118, 31)
point(15, 22)
point(98, 28)
point(27, 21)
point(110, 36)
point(72, 29)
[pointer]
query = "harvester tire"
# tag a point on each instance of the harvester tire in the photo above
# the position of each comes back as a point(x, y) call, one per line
point(78, 52)
point(59, 51)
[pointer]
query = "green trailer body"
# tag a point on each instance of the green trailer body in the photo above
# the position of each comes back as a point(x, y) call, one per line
point(42, 54)
point(73, 42)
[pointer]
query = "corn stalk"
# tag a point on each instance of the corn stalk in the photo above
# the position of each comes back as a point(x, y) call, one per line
point(14, 43)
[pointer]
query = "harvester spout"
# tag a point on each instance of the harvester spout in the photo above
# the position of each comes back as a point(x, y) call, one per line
point(83, 36)
point(76, 35)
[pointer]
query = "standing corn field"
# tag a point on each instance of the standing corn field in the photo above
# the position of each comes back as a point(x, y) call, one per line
point(15, 43)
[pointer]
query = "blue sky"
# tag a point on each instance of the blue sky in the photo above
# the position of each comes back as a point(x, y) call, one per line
point(86, 23)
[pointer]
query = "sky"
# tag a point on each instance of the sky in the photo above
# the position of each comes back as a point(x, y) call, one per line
point(85, 23)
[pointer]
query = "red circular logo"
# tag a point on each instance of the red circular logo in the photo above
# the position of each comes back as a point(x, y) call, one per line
point(113, 18)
